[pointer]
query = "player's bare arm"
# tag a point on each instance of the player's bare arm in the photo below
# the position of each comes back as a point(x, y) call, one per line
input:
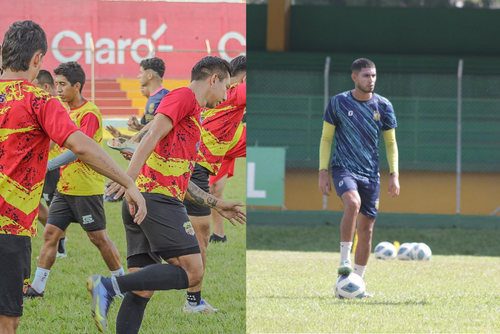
point(394, 187)
point(229, 211)
point(93, 155)
point(325, 186)
point(116, 133)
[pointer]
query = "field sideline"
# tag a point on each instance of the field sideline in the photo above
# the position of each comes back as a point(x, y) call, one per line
point(66, 305)
point(293, 291)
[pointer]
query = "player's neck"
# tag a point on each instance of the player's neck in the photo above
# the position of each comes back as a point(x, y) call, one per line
point(8, 74)
point(200, 90)
point(153, 86)
point(360, 95)
point(77, 102)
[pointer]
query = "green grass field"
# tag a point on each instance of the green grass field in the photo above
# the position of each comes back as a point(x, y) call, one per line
point(66, 305)
point(291, 272)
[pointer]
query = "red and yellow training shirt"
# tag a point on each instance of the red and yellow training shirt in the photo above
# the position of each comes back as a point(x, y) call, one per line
point(219, 126)
point(29, 118)
point(54, 152)
point(169, 168)
point(77, 178)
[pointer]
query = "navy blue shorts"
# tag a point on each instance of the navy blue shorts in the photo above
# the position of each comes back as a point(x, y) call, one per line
point(368, 191)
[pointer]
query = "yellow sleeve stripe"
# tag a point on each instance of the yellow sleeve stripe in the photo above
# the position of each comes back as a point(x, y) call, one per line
point(391, 147)
point(210, 112)
point(325, 146)
point(237, 136)
point(5, 133)
point(18, 196)
point(170, 167)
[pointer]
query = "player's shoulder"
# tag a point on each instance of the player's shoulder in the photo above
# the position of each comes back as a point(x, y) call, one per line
point(382, 100)
point(342, 96)
point(28, 87)
point(87, 107)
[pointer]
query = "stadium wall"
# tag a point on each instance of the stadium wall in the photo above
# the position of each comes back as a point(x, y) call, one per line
point(443, 31)
point(177, 31)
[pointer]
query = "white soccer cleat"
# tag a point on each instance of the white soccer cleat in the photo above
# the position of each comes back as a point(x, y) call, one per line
point(345, 268)
point(204, 307)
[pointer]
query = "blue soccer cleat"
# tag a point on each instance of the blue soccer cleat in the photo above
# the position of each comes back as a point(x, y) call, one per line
point(101, 301)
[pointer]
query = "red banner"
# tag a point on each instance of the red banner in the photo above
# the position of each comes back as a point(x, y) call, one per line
point(125, 32)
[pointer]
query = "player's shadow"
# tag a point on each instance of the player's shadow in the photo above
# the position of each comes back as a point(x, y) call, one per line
point(327, 238)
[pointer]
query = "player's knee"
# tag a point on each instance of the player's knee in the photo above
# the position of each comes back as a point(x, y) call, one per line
point(51, 234)
point(195, 276)
point(216, 190)
point(352, 202)
point(100, 240)
point(144, 294)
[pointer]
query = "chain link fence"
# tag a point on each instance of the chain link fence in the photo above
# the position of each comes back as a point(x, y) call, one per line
point(287, 107)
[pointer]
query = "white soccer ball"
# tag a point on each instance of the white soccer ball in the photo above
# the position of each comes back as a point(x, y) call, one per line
point(385, 251)
point(350, 287)
point(405, 251)
point(421, 252)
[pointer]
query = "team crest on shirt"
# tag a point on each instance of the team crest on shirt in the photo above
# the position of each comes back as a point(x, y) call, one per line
point(189, 228)
point(376, 115)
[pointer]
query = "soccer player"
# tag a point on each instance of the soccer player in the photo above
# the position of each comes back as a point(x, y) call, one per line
point(237, 149)
point(45, 81)
point(218, 127)
point(80, 189)
point(162, 166)
point(29, 118)
point(356, 118)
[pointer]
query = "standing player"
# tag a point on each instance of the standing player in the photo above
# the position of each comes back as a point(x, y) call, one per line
point(237, 149)
point(30, 117)
point(356, 118)
point(80, 189)
point(218, 127)
point(162, 166)
point(45, 81)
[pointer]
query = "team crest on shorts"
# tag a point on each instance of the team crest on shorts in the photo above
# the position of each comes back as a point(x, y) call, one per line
point(189, 228)
point(376, 115)
point(376, 204)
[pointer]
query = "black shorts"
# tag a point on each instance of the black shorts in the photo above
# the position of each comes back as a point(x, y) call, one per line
point(50, 185)
point(15, 270)
point(200, 177)
point(88, 211)
point(165, 231)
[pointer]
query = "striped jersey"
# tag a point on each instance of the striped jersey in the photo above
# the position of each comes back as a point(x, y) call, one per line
point(357, 131)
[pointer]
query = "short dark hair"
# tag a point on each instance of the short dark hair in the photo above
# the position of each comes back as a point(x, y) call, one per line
point(44, 77)
point(20, 43)
point(211, 65)
point(73, 72)
point(154, 64)
point(360, 63)
point(239, 65)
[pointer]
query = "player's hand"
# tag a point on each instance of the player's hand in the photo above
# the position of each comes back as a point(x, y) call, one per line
point(325, 186)
point(127, 155)
point(133, 123)
point(134, 197)
point(231, 212)
point(394, 185)
point(113, 187)
point(114, 131)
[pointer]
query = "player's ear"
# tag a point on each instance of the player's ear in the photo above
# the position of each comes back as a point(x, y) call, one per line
point(244, 79)
point(354, 76)
point(213, 79)
point(37, 59)
point(77, 87)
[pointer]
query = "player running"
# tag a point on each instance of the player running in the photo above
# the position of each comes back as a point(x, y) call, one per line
point(356, 118)
point(162, 166)
point(29, 118)
point(80, 189)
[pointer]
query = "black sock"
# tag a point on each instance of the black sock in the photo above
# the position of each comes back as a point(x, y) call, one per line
point(61, 247)
point(154, 277)
point(194, 297)
point(131, 313)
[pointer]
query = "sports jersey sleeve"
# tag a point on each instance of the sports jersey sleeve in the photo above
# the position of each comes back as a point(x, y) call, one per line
point(391, 148)
point(89, 125)
point(176, 104)
point(325, 146)
point(241, 95)
point(330, 115)
point(55, 121)
point(389, 121)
